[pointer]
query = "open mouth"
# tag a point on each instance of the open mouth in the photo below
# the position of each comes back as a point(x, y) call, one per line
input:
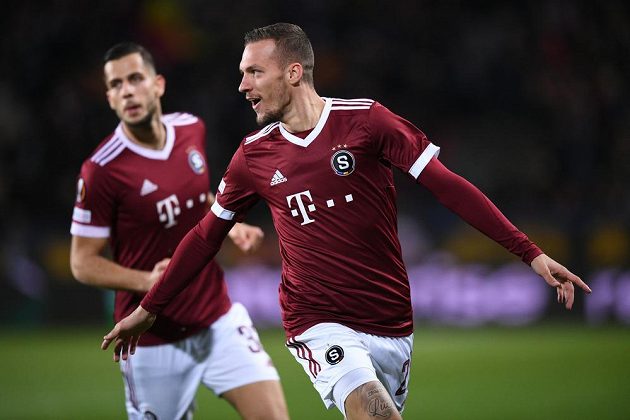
point(254, 102)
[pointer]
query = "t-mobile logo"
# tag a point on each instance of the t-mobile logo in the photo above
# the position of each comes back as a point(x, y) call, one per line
point(303, 210)
point(168, 209)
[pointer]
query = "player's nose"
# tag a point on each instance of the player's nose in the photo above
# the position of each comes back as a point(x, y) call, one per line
point(244, 86)
point(127, 89)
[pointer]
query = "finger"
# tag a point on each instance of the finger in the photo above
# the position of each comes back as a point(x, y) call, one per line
point(551, 280)
point(106, 342)
point(578, 282)
point(570, 296)
point(569, 292)
point(567, 275)
point(109, 337)
point(118, 350)
point(124, 349)
point(133, 344)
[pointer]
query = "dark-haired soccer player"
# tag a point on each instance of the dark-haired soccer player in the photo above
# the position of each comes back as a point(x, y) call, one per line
point(143, 188)
point(324, 167)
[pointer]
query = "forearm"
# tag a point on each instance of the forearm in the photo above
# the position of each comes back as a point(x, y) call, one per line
point(98, 271)
point(192, 254)
point(469, 203)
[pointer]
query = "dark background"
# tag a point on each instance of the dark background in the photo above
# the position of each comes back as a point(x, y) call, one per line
point(528, 100)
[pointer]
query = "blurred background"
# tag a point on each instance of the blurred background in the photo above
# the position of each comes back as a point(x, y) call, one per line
point(528, 100)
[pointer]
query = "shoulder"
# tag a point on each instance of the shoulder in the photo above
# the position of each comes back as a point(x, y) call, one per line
point(256, 137)
point(106, 151)
point(351, 107)
point(185, 124)
point(359, 104)
point(181, 119)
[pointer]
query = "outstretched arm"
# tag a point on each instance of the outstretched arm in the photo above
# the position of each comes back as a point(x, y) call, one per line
point(465, 200)
point(198, 247)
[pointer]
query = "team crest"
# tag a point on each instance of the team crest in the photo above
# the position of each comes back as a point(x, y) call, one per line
point(342, 163)
point(196, 162)
point(334, 355)
point(80, 190)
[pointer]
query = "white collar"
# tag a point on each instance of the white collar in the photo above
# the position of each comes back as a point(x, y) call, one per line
point(146, 152)
point(313, 134)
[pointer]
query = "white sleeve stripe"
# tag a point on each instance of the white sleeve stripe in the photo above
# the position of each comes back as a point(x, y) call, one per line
point(107, 148)
point(222, 213)
point(89, 231)
point(423, 160)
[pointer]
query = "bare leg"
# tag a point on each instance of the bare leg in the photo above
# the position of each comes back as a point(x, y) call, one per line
point(371, 401)
point(262, 400)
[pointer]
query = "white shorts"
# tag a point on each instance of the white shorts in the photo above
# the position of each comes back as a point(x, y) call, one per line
point(329, 352)
point(161, 381)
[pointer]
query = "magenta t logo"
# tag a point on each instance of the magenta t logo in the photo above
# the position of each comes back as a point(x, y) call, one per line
point(303, 209)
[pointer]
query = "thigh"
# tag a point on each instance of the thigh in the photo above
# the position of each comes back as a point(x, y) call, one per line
point(370, 400)
point(161, 381)
point(262, 400)
point(391, 357)
point(328, 352)
point(237, 357)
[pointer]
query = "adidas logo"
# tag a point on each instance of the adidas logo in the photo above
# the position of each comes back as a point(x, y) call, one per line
point(147, 188)
point(277, 178)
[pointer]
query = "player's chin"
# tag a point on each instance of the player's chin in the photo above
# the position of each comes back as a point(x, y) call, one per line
point(263, 119)
point(136, 120)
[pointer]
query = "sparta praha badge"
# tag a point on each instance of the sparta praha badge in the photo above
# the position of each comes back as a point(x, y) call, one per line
point(342, 163)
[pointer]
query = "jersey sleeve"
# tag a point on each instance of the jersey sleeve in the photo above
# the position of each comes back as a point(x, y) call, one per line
point(94, 204)
point(236, 193)
point(469, 203)
point(399, 142)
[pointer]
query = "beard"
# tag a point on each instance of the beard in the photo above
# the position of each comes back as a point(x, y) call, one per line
point(269, 117)
point(144, 122)
point(282, 100)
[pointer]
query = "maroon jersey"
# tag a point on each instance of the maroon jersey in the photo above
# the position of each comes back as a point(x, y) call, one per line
point(333, 202)
point(145, 201)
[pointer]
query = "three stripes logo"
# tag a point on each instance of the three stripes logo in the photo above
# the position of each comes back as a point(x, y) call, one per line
point(277, 178)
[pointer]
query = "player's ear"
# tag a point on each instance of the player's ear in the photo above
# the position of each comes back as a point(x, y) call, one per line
point(295, 73)
point(160, 84)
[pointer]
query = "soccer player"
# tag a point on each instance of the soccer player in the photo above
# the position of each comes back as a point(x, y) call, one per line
point(324, 167)
point(143, 188)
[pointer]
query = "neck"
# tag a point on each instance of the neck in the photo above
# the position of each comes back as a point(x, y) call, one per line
point(152, 134)
point(305, 112)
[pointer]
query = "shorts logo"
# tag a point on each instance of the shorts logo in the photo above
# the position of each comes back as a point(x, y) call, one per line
point(148, 415)
point(196, 162)
point(334, 355)
point(342, 163)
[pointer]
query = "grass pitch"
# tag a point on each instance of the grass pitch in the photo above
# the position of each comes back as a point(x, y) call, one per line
point(543, 372)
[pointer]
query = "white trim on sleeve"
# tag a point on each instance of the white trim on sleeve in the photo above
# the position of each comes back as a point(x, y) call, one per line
point(78, 229)
point(222, 213)
point(423, 160)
